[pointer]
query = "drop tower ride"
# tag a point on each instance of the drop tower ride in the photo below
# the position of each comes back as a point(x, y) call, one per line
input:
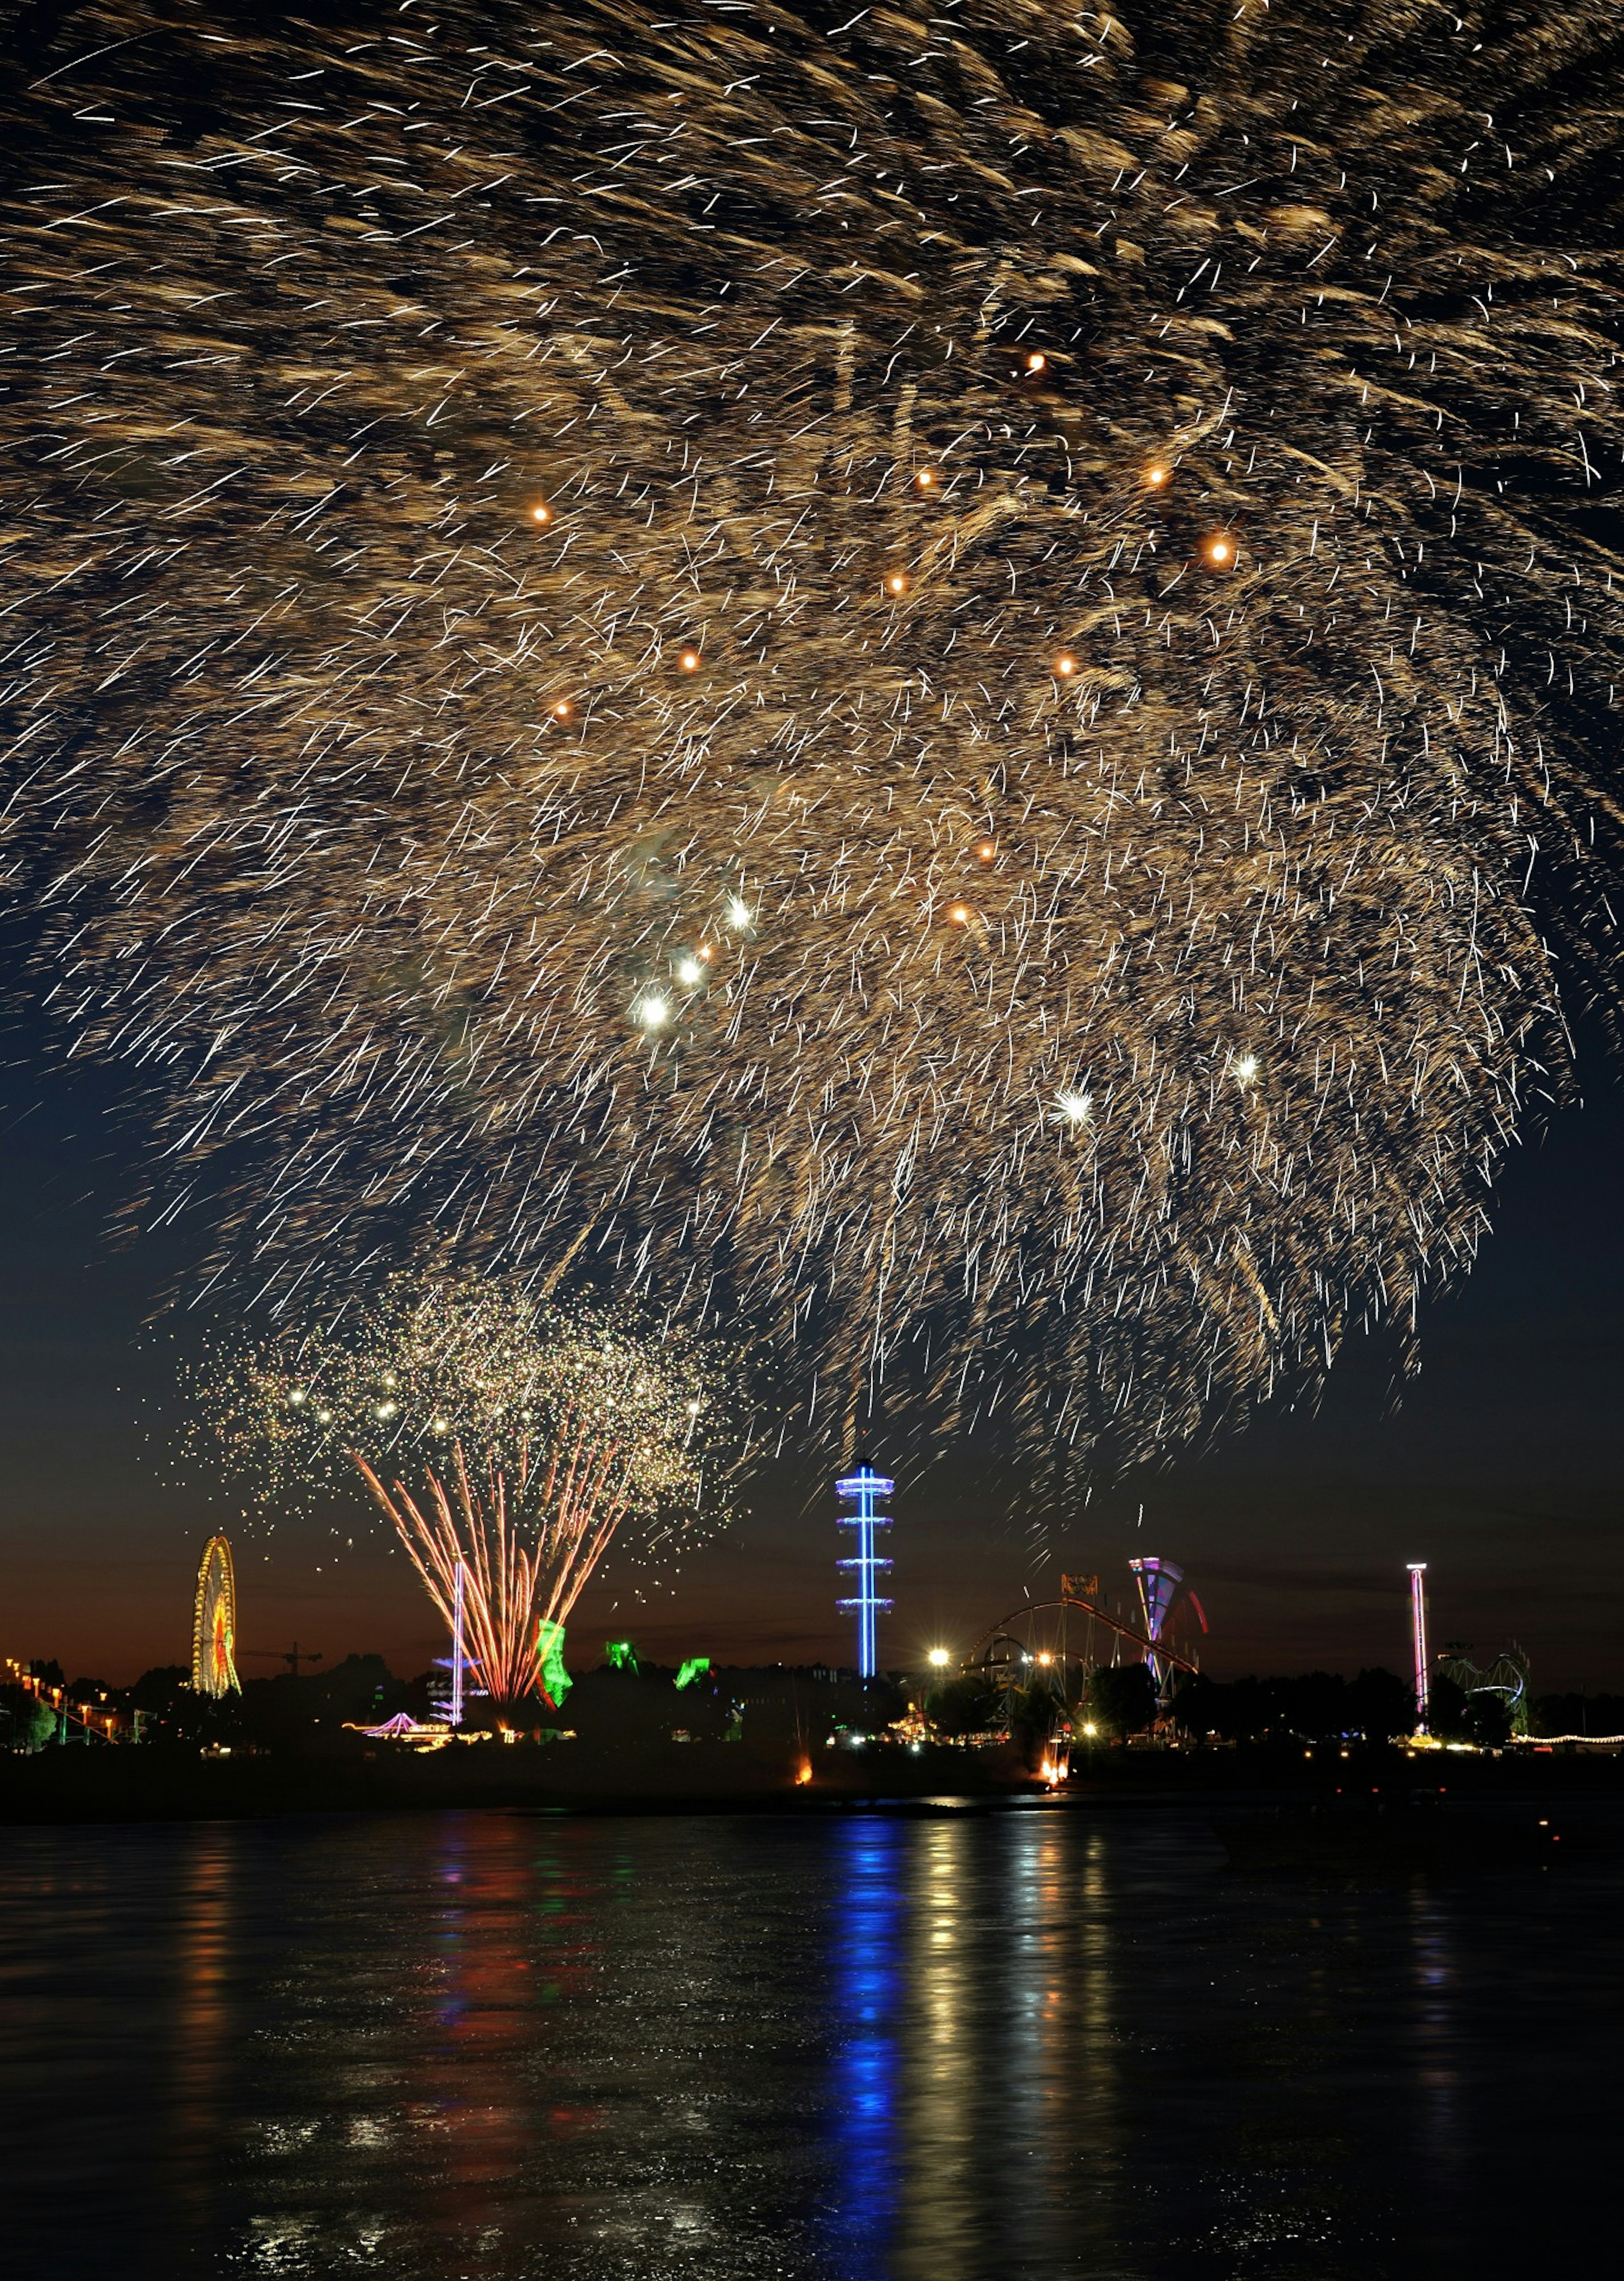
point(1418, 1643)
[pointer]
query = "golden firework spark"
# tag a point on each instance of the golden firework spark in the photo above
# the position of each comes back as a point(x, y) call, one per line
point(390, 414)
point(499, 1436)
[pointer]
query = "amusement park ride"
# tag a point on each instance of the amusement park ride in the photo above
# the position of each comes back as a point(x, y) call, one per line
point(1505, 1675)
point(214, 1623)
point(1042, 1630)
point(1161, 1636)
point(1164, 1634)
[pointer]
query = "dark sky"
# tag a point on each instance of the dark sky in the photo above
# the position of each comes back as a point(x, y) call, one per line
point(1501, 1467)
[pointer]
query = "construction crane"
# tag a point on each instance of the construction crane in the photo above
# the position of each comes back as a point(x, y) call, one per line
point(292, 1656)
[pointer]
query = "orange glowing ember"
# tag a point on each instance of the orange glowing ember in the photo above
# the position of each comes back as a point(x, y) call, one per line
point(803, 1771)
point(689, 660)
point(1156, 476)
point(896, 583)
point(1064, 666)
point(1220, 550)
point(541, 512)
point(925, 478)
point(1037, 361)
point(958, 914)
point(985, 849)
point(562, 709)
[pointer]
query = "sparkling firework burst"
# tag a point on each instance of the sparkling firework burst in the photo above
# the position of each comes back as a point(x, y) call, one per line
point(501, 1438)
point(916, 665)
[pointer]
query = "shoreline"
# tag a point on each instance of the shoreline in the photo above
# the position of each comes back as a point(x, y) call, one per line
point(163, 1784)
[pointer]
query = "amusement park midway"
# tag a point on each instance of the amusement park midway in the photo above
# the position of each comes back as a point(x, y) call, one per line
point(1080, 1688)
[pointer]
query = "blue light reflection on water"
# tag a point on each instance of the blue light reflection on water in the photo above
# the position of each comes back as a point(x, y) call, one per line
point(953, 2047)
point(867, 1930)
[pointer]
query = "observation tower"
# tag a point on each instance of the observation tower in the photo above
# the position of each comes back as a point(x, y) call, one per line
point(864, 1489)
point(1158, 1582)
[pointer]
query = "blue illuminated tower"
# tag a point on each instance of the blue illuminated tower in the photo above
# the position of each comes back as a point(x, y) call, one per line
point(864, 1489)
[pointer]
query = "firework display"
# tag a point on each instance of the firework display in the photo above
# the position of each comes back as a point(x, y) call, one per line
point(506, 1443)
point(214, 1623)
point(916, 670)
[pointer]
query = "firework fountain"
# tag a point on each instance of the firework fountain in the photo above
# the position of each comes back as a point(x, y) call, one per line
point(505, 1440)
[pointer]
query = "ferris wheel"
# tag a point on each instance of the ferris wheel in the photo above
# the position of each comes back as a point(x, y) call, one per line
point(214, 1623)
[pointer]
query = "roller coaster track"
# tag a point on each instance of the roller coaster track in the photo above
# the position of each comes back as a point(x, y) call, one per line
point(1158, 1647)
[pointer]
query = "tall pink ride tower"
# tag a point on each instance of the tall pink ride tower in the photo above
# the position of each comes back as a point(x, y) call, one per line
point(1418, 1627)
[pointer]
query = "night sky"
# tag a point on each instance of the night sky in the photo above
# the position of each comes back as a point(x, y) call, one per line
point(195, 937)
point(1501, 1465)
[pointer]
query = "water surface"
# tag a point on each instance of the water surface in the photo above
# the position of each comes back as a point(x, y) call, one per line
point(1049, 2040)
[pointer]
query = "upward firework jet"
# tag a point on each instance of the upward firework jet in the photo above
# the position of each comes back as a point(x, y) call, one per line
point(925, 660)
point(503, 1439)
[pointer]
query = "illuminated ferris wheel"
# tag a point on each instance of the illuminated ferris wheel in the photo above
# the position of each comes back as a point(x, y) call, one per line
point(214, 1623)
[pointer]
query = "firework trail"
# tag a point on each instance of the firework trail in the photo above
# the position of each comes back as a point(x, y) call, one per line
point(937, 672)
point(531, 1434)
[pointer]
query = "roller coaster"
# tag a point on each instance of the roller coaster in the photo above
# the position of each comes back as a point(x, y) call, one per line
point(1081, 1596)
point(1507, 1676)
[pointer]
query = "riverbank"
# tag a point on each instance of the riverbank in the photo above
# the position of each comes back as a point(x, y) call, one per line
point(175, 1783)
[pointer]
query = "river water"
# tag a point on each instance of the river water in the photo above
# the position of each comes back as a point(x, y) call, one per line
point(1045, 2040)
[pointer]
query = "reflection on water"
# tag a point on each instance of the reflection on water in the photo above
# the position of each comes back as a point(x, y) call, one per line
point(863, 2085)
point(1040, 2041)
point(199, 2081)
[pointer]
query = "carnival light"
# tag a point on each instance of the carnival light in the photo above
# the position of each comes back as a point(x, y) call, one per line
point(214, 1623)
